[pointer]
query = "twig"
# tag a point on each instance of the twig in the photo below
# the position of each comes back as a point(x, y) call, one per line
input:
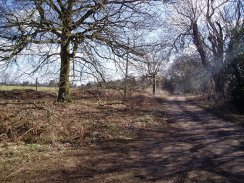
point(25, 133)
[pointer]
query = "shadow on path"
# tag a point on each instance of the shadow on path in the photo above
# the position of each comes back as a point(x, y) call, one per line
point(196, 146)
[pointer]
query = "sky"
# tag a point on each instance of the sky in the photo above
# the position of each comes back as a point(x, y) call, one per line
point(22, 71)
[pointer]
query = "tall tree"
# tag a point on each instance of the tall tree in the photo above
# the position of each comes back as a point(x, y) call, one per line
point(206, 23)
point(153, 61)
point(69, 31)
point(186, 73)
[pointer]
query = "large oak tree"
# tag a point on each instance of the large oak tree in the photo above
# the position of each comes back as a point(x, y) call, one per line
point(69, 31)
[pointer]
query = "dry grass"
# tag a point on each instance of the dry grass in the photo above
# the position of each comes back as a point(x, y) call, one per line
point(91, 117)
point(39, 88)
point(99, 137)
point(34, 124)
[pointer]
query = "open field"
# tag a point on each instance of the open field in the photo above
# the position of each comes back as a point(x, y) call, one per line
point(39, 88)
point(100, 137)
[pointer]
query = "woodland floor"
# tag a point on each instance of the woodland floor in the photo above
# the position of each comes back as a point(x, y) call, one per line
point(157, 140)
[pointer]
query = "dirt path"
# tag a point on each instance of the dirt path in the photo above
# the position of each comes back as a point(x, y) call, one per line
point(196, 146)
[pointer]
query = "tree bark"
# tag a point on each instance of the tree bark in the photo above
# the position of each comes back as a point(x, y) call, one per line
point(219, 85)
point(126, 77)
point(64, 92)
point(199, 44)
point(154, 84)
point(217, 72)
point(237, 73)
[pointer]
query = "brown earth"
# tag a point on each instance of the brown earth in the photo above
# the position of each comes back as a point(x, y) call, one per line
point(194, 146)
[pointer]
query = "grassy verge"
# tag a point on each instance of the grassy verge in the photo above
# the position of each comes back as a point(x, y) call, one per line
point(226, 112)
point(18, 158)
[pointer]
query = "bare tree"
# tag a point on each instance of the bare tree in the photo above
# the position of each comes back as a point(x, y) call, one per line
point(207, 23)
point(156, 57)
point(77, 34)
point(186, 73)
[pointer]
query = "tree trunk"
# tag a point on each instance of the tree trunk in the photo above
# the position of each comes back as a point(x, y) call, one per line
point(154, 84)
point(199, 44)
point(237, 73)
point(217, 72)
point(126, 77)
point(219, 85)
point(64, 93)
